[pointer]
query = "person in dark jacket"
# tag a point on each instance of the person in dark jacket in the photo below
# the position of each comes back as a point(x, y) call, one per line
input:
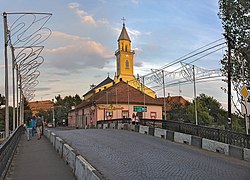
point(39, 124)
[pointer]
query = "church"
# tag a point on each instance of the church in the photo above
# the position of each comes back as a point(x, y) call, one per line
point(120, 97)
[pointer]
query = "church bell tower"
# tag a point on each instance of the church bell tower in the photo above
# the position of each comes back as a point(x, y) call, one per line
point(124, 57)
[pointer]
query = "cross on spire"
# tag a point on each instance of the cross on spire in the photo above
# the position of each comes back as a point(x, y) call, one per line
point(123, 20)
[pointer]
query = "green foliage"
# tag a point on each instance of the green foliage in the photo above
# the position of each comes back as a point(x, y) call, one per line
point(178, 113)
point(2, 125)
point(2, 100)
point(203, 116)
point(235, 16)
point(63, 105)
point(238, 124)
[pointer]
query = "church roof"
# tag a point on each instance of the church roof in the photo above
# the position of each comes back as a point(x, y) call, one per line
point(124, 35)
point(104, 82)
point(120, 92)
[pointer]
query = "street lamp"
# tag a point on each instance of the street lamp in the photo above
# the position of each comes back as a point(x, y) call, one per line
point(53, 114)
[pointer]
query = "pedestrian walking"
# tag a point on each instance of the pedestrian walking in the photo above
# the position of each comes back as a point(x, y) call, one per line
point(39, 124)
point(137, 120)
point(28, 131)
point(33, 124)
point(133, 119)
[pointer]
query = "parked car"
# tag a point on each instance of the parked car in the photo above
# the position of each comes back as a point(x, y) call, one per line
point(49, 125)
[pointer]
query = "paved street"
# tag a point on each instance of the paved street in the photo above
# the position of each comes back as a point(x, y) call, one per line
point(119, 154)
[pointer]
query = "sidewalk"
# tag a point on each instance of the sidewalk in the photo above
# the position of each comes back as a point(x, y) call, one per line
point(36, 159)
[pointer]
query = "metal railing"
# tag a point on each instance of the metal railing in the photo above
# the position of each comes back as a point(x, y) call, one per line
point(220, 135)
point(7, 150)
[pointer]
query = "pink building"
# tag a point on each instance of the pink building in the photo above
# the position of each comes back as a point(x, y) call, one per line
point(118, 101)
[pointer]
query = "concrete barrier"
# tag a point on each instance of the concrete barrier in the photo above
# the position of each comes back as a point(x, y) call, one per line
point(236, 152)
point(144, 129)
point(105, 126)
point(47, 133)
point(215, 146)
point(137, 128)
point(120, 126)
point(126, 126)
point(196, 141)
point(83, 170)
point(69, 156)
point(132, 127)
point(53, 138)
point(170, 135)
point(161, 133)
point(112, 126)
point(59, 146)
point(246, 154)
point(151, 131)
point(99, 126)
point(182, 138)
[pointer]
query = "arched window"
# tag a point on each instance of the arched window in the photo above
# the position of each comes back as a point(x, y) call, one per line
point(127, 64)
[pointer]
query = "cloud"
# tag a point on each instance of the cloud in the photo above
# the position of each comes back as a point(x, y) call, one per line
point(84, 16)
point(73, 53)
point(43, 89)
point(136, 2)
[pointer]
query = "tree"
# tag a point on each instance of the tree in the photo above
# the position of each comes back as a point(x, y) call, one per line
point(63, 105)
point(209, 110)
point(2, 125)
point(204, 118)
point(178, 112)
point(214, 109)
point(2, 100)
point(235, 16)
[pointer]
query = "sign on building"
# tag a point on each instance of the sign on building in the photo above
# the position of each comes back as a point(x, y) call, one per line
point(140, 109)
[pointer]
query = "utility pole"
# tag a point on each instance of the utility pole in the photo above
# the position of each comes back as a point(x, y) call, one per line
point(144, 97)
point(6, 75)
point(164, 95)
point(229, 116)
point(195, 101)
point(13, 86)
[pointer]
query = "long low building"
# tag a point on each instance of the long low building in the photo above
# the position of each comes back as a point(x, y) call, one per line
point(118, 101)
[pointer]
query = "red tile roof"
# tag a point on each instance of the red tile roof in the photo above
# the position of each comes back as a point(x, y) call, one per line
point(40, 105)
point(170, 100)
point(122, 93)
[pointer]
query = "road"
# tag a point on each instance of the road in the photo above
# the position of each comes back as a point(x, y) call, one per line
point(119, 154)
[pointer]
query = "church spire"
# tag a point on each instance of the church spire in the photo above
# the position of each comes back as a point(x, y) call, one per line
point(124, 35)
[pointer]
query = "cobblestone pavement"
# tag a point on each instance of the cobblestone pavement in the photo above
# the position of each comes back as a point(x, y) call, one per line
point(119, 154)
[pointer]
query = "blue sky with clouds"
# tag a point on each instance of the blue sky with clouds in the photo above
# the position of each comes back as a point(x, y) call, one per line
point(81, 49)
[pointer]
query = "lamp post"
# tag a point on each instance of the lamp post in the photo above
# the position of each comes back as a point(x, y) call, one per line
point(6, 75)
point(53, 113)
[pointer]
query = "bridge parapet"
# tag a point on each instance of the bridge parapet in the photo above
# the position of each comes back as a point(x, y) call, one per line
point(216, 140)
point(7, 151)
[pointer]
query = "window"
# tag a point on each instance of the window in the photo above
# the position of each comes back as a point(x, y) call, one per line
point(127, 64)
point(109, 115)
point(125, 114)
point(153, 115)
point(118, 63)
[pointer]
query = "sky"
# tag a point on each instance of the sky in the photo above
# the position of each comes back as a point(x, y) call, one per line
point(80, 50)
